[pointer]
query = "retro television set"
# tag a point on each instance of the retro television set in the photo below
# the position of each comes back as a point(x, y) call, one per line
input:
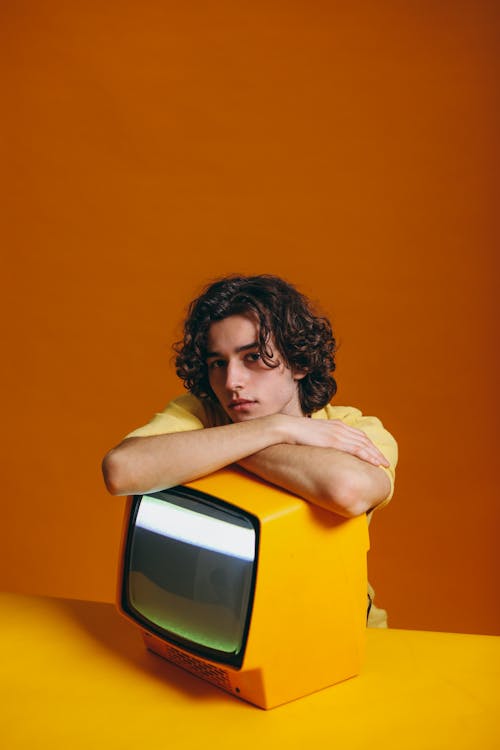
point(246, 586)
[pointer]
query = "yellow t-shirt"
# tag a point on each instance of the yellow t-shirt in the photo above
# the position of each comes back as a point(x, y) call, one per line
point(188, 412)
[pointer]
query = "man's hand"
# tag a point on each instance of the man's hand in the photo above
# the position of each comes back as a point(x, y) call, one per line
point(326, 462)
point(336, 434)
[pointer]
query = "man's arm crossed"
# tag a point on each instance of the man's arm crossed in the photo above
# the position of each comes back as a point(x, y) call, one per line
point(325, 462)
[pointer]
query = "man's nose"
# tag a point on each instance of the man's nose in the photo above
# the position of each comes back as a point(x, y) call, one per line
point(235, 376)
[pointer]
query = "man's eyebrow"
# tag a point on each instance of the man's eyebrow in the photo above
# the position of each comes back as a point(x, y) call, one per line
point(239, 349)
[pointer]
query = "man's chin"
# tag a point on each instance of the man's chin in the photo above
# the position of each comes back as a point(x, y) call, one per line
point(244, 415)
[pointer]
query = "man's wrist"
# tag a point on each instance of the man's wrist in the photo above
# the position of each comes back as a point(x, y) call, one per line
point(282, 426)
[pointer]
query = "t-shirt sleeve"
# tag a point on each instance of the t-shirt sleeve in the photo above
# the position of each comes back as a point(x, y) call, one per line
point(180, 415)
point(375, 430)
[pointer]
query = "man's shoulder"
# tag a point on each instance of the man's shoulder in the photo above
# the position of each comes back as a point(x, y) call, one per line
point(345, 413)
point(186, 403)
point(186, 412)
point(209, 413)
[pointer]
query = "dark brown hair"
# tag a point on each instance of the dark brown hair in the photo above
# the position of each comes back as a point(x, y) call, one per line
point(304, 340)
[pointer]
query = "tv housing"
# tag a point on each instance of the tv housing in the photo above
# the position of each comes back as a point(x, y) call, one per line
point(246, 585)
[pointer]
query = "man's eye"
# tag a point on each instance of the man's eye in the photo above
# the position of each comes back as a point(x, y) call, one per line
point(216, 364)
point(253, 356)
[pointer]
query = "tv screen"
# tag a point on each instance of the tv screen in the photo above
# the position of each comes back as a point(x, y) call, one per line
point(190, 568)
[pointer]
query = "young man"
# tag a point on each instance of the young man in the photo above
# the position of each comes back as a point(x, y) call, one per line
point(257, 363)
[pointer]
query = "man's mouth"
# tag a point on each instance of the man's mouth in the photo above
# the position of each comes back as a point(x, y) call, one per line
point(240, 403)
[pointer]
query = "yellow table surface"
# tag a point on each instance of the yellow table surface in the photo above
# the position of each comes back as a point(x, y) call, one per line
point(75, 674)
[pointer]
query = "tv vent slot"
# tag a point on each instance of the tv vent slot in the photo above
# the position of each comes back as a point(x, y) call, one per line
point(199, 668)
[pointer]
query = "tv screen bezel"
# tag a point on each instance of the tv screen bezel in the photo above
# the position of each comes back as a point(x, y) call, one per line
point(233, 659)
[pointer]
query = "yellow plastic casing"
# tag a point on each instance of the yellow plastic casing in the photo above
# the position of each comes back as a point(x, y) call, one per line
point(308, 622)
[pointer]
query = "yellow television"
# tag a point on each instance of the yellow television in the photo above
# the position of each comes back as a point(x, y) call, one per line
point(246, 585)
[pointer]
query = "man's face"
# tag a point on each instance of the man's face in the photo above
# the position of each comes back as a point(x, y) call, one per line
point(246, 387)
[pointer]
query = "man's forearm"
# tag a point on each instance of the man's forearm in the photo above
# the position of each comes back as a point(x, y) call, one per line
point(330, 478)
point(146, 464)
point(326, 462)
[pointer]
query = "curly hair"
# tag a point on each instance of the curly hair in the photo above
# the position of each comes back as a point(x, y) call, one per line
point(303, 339)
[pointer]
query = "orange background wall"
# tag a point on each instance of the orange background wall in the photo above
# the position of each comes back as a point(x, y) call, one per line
point(348, 147)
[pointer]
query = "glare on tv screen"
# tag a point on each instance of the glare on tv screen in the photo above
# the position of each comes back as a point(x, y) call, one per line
point(190, 571)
